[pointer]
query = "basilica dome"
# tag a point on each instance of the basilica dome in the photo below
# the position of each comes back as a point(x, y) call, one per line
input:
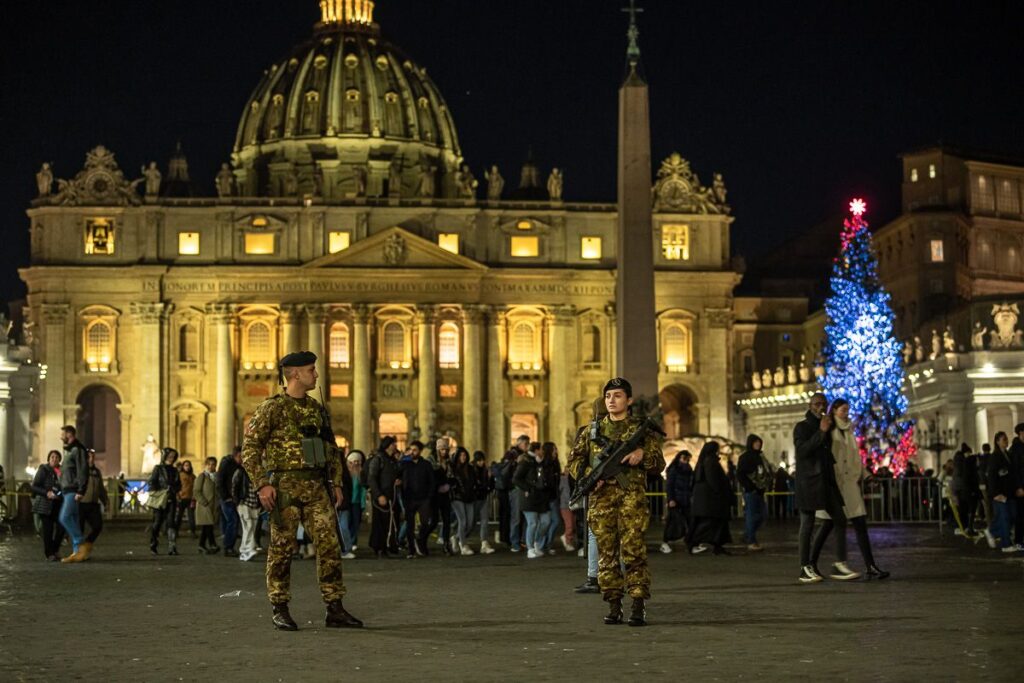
point(346, 114)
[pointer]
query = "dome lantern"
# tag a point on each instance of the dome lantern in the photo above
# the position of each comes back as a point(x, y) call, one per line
point(346, 12)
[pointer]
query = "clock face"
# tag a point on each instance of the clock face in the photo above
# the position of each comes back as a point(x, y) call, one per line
point(100, 183)
point(674, 192)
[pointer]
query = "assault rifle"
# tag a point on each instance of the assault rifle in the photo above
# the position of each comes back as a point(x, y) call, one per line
point(327, 435)
point(610, 460)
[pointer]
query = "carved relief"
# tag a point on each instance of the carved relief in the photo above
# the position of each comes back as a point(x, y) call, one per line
point(678, 189)
point(395, 250)
point(1006, 335)
point(100, 182)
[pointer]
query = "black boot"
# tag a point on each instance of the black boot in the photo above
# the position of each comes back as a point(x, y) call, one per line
point(338, 617)
point(873, 572)
point(638, 613)
point(282, 619)
point(614, 612)
point(588, 586)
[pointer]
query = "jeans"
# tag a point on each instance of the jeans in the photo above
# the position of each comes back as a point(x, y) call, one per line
point(1002, 513)
point(753, 513)
point(553, 517)
point(228, 523)
point(464, 515)
point(536, 527)
point(482, 511)
point(504, 514)
point(515, 499)
point(69, 519)
point(345, 524)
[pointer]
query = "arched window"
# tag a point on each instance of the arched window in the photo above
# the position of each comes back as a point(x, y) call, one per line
point(591, 346)
point(521, 348)
point(259, 350)
point(98, 346)
point(676, 348)
point(188, 343)
point(339, 354)
point(448, 345)
point(394, 344)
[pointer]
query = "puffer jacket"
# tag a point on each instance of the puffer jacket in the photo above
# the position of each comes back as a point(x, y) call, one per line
point(45, 480)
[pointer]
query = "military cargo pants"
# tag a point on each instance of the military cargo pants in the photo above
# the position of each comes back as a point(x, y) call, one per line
point(619, 519)
point(309, 505)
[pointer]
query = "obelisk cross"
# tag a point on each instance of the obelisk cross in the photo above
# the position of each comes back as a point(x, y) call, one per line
point(633, 52)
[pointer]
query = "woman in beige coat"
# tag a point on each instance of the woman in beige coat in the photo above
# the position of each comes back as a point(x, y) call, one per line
point(205, 492)
point(850, 472)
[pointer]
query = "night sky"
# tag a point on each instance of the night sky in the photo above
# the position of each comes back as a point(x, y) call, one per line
point(799, 104)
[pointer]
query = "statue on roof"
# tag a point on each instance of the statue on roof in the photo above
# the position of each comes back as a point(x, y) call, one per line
point(495, 183)
point(225, 181)
point(44, 179)
point(465, 183)
point(555, 182)
point(153, 177)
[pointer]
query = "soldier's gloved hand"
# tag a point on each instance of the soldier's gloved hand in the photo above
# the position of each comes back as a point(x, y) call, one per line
point(268, 496)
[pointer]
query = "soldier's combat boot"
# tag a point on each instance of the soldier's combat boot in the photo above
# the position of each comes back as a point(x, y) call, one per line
point(338, 617)
point(282, 619)
point(614, 615)
point(638, 613)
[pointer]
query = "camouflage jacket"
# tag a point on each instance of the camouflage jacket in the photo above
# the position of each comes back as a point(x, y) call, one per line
point(585, 451)
point(273, 440)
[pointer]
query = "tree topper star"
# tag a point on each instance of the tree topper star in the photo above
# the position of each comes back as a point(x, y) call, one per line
point(858, 207)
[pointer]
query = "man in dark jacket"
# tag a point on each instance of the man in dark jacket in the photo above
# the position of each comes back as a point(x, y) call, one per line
point(417, 498)
point(229, 520)
point(510, 498)
point(678, 493)
point(1002, 488)
point(382, 477)
point(816, 488)
point(754, 476)
point(965, 487)
point(1017, 464)
point(74, 479)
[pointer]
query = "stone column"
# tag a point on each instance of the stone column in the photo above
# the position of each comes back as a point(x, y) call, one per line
point(58, 345)
point(980, 427)
point(290, 329)
point(223, 318)
point(559, 322)
point(497, 441)
point(472, 379)
point(146, 389)
point(316, 315)
point(6, 458)
point(362, 428)
point(713, 351)
point(427, 375)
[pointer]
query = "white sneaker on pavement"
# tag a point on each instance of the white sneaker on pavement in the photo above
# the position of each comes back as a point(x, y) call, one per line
point(533, 554)
point(1011, 549)
point(809, 574)
point(666, 548)
point(466, 550)
point(841, 572)
point(485, 548)
point(990, 538)
point(349, 556)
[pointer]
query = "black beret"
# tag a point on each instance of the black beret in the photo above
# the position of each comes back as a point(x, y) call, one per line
point(619, 383)
point(298, 359)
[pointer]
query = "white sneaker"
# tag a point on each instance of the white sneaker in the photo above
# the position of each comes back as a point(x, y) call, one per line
point(551, 551)
point(580, 553)
point(703, 547)
point(990, 538)
point(246, 557)
point(485, 548)
point(466, 550)
point(497, 537)
point(533, 554)
point(841, 572)
point(565, 543)
point(1011, 549)
point(349, 556)
point(958, 532)
point(355, 548)
point(666, 548)
point(513, 549)
point(809, 574)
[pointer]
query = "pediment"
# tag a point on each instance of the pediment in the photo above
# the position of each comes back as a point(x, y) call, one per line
point(395, 248)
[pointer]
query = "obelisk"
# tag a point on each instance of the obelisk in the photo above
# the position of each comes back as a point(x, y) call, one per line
point(636, 331)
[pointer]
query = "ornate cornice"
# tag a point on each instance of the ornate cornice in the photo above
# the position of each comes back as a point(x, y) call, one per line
point(54, 314)
point(146, 313)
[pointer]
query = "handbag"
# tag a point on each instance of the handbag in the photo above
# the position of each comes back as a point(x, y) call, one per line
point(157, 499)
point(763, 477)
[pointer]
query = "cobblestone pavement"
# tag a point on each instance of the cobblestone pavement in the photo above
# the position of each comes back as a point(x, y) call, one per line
point(951, 611)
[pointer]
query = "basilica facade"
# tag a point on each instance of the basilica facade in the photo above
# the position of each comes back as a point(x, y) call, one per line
point(349, 223)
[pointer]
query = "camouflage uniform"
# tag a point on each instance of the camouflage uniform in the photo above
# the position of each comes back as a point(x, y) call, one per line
point(618, 513)
point(272, 454)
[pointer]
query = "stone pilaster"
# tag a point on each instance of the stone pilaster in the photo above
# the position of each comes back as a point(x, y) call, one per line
point(714, 362)
point(58, 345)
point(290, 329)
point(362, 428)
point(559, 322)
point(427, 371)
point(222, 317)
point(316, 317)
point(497, 440)
point(146, 389)
point(472, 379)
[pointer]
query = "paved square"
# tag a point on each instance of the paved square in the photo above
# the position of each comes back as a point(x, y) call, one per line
point(950, 612)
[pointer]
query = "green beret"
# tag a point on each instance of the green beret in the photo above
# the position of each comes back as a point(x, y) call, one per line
point(619, 383)
point(298, 359)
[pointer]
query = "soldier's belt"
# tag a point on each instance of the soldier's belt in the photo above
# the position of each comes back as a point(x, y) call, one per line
point(304, 474)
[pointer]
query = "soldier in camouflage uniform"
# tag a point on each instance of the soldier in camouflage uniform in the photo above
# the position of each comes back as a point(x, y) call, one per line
point(618, 510)
point(289, 454)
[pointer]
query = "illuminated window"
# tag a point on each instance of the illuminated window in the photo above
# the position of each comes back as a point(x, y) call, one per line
point(188, 243)
point(1008, 200)
point(396, 425)
point(449, 241)
point(449, 390)
point(936, 251)
point(676, 348)
point(524, 225)
point(339, 346)
point(675, 242)
point(338, 240)
point(448, 346)
point(339, 391)
point(913, 175)
point(524, 247)
point(259, 243)
point(524, 390)
point(99, 236)
point(523, 352)
point(931, 170)
point(590, 247)
point(982, 196)
point(188, 343)
point(590, 345)
point(525, 423)
point(394, 345)
point(259, 222)
point(98, 346)
point(352, 95)
point(259, 352)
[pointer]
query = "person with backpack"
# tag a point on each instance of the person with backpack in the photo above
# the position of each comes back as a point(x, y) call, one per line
point(504, 470)
point(755, 475)
point(483, 484)
point(678, 492)
point(74, 479)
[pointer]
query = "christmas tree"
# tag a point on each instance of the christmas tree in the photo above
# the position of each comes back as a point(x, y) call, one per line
point(862, 355)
